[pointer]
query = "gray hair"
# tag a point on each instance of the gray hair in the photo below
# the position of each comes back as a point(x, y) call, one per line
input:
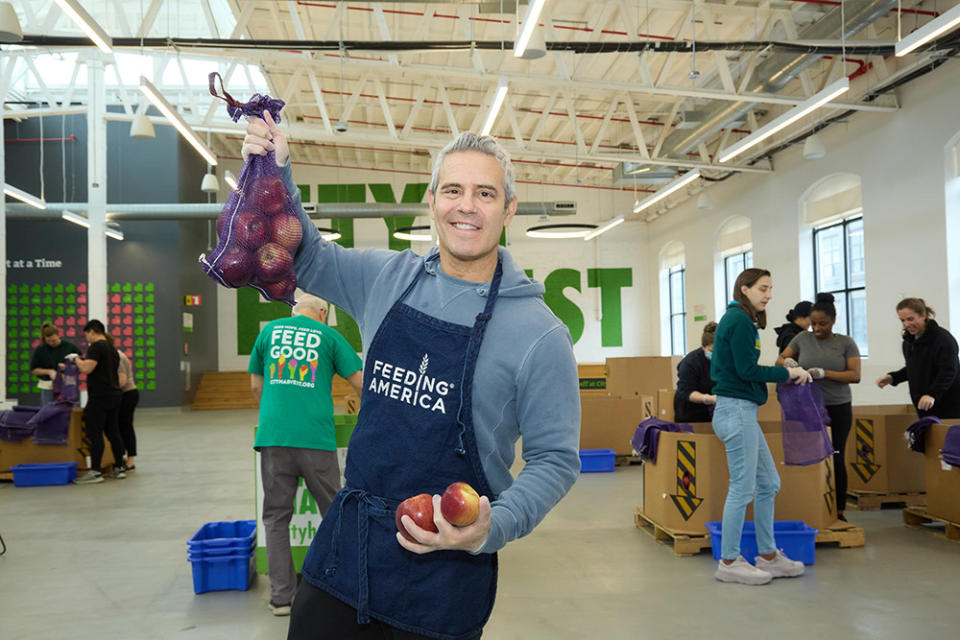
point(469, 141)
point(312, 303)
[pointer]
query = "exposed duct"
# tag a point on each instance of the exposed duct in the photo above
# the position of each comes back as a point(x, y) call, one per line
point(776, 71)
point(205, 211)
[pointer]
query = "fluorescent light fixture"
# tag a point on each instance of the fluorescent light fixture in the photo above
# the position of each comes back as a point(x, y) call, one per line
point(666, 190)
point(75, 218)
point(812, 103)
point(610, 225)
point(176, 120)
point(116, 234)
point(560, 231)
point(530, 22)
point(230, 179)
point(86, 23)
point(934, 29)
point(410, 233)
point(23, 196)
point(330, 237)
point(498, 98)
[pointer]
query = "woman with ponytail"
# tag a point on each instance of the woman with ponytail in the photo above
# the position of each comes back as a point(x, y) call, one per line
point(833, 361)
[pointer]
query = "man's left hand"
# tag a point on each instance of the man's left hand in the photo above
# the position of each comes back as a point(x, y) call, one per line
point(468, 538)
point(925, 403)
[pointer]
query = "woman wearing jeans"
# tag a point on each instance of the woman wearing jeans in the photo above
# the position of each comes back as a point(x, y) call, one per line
point(740, 390)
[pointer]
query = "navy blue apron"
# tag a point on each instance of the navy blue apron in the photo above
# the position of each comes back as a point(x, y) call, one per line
point(414, 435)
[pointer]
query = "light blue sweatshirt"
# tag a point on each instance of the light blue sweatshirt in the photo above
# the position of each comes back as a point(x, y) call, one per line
point(525, 385)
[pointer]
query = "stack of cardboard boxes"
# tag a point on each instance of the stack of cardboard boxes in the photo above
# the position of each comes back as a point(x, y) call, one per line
point(610, 415)
point(878, 459)
point(943, 484)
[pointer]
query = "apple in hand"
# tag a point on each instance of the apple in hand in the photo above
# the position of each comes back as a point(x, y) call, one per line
point(460, 504)
point(420, 510)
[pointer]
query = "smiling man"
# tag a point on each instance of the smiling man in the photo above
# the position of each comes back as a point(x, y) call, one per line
point(463, 358)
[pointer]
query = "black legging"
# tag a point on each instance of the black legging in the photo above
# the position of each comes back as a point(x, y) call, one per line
point(317, 615)
point(841, 417)
point(99, 417)
point(128, 403)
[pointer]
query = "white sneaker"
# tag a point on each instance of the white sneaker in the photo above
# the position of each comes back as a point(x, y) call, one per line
point(280, 609)
point(90, 477)
point(781, 566)
point(741, 571)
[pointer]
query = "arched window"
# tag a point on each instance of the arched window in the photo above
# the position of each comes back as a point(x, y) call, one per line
point(735, 248)
point(834, 211)
point(673, 304)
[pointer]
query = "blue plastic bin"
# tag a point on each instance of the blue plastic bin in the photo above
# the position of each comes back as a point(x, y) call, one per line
point(230, 550)
point(594, 460)
point(222, 573)
point(794, 537)
point(42, 475)
point(238, 533)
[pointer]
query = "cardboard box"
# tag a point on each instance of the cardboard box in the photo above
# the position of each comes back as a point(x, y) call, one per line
point(687, 485)
point(649, 406)
point(770, 412)
point(665, 404)
point(943, 486)
point(76, 449)
point(877, 457)
point(807, 493)
point(609, 423)
point(634, 377)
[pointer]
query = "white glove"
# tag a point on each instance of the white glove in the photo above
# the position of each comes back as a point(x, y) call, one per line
point(790, 363)
point(71, 356)
point(816, 373)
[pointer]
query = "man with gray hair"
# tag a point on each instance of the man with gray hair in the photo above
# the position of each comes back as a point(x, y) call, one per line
point(463, 358)
point(291, 370)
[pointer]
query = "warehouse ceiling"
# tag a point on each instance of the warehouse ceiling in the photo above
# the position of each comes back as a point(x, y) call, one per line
point(660, 84)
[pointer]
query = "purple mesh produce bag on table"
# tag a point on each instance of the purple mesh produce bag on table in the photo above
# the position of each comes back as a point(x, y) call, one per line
point(805, 437)
point(258, 228)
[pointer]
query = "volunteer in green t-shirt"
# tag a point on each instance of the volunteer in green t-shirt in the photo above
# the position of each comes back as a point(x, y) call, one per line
point(46, 357)
point(291, 372)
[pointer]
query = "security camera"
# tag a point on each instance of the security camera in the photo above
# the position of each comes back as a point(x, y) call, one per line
point(341, 126)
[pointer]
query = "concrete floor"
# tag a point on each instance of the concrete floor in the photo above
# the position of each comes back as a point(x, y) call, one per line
point(109, 560)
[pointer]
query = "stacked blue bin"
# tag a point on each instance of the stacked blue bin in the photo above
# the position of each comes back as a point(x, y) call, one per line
point(222, 556)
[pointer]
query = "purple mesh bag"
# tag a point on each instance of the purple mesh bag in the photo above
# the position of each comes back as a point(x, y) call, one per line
point(805, 437)
point(258, 228)
point(65, 389)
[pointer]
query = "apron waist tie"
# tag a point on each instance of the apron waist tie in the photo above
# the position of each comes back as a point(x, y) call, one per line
point(365, 499)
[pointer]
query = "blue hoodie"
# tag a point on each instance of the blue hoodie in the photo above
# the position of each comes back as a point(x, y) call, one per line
point(526, 382)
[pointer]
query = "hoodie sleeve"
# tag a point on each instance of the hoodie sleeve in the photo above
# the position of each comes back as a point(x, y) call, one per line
point(340, 276)
point(946, 365)
point(548, 411)
point(745, 350)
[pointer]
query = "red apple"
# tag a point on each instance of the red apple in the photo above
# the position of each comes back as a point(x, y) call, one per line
point(287, 232)
point(460, 504)
point(283, 289)
point(273, 263)
point(268, 195)
point(420, 510)
point(252, 231)
point(236, 266)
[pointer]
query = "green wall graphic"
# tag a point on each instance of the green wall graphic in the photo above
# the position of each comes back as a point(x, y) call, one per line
point(251, 311)
point(131, 319)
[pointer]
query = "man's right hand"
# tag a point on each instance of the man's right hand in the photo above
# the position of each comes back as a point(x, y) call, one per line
point(264, 135)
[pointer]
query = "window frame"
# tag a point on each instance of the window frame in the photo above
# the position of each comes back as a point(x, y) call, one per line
point(847, 290)
point(728, 286)
point(680, 269)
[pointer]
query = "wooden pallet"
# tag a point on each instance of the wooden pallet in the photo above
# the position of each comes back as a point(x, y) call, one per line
point(918, 517)
point(874, 500)
point(684, 544)
point(845, 537)
point(620, 461)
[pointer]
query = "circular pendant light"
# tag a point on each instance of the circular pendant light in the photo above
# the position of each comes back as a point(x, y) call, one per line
point(329, 234)
point(414, 233)
point(560, 231)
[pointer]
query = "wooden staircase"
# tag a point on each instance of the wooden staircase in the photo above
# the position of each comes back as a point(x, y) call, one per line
point(224, 390)
point(231, 390)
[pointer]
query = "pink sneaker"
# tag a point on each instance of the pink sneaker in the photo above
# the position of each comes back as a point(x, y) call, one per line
point(781, 566)
point(741, 571)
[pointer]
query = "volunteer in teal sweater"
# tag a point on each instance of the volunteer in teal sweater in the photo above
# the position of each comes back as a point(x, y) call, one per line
point(740, 390)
